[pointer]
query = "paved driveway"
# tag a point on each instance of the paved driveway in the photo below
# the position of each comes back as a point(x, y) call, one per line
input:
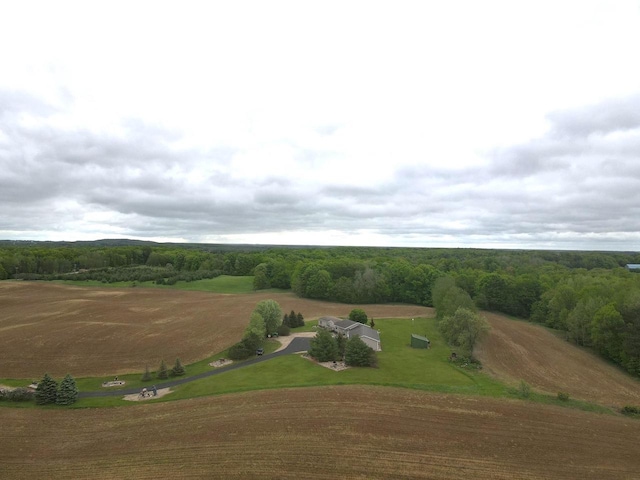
point(298, 344)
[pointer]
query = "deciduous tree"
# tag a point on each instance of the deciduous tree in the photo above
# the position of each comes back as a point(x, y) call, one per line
point(256, 325)
point(271, 314)
point(358, 315)
point(462, 329)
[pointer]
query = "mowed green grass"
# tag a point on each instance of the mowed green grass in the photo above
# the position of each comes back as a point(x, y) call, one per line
point(221, 284)
point(399, 365)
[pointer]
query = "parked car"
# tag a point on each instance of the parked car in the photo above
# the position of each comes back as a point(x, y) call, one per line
point(259, 351)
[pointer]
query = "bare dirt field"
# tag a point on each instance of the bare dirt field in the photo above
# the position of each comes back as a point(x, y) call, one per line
point(343, 432)
point(86, 331)
point(516, 350)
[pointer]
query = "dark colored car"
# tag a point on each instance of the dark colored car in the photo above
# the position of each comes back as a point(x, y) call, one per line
point(260, 351)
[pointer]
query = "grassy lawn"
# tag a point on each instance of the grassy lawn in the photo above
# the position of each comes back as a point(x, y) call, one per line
point(399, 365)
point(221, 284)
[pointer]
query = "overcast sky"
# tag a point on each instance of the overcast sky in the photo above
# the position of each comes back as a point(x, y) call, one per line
point(452, 123)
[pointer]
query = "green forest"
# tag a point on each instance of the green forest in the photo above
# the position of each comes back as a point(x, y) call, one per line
point(591, 296)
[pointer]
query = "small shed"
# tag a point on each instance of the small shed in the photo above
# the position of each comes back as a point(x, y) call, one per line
point(418, 341)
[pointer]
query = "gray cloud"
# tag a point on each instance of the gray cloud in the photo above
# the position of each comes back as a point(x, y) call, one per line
point(578, 186)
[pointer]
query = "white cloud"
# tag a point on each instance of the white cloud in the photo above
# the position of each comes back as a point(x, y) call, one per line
point(409, 123)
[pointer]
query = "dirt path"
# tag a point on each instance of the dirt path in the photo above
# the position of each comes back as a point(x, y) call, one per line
point(516, 350)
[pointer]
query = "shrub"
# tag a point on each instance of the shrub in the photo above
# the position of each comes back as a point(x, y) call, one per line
point(524, 390)
point(563, 396)
point(252, 342)
point(630, 410)
point(283, 330)
point(239, 351)
point(19, 394)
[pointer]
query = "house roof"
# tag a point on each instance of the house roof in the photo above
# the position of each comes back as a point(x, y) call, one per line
point(366, 331)
point(633, 266)
point(333, 319)
point(346, 324)
point(420, 337)
point(359, 329)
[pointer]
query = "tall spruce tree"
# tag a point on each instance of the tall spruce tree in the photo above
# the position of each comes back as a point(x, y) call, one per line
point(163, 373)
point(47, 390)
point(68, 391)
point(178, 369)
point(146, 376)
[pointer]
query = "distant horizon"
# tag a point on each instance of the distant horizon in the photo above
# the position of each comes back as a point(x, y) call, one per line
point(285, 245)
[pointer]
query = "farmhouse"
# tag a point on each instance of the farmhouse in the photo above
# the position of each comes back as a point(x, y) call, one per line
point(350, 328)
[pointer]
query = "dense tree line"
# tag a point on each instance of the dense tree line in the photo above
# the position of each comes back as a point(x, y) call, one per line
point(599, 309)
point(590, 295)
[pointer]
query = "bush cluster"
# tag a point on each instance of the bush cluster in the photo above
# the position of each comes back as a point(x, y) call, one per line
point(631, 410)
point(245, 348)
point(293, 320)
point(19, 394)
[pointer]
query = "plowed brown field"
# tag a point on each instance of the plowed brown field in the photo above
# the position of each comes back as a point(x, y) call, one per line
point(321, 433)
point(515, 350)
point(92, 331)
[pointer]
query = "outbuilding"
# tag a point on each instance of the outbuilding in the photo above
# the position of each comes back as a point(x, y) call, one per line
point(418, 341)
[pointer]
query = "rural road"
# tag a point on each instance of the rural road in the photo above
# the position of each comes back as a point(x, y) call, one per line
point(298, 344)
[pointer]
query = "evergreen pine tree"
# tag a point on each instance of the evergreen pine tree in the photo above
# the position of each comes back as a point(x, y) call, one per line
point(323, 347)
point(285, 320)
point(47, 390)
point(359, 354)
point(68, 392)
point(178, 369)
point(300, 318)
point(146, 377)
point(163, 374)
point(293, 320)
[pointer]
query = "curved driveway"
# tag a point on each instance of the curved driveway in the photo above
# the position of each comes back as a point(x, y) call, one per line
point(298, 344)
